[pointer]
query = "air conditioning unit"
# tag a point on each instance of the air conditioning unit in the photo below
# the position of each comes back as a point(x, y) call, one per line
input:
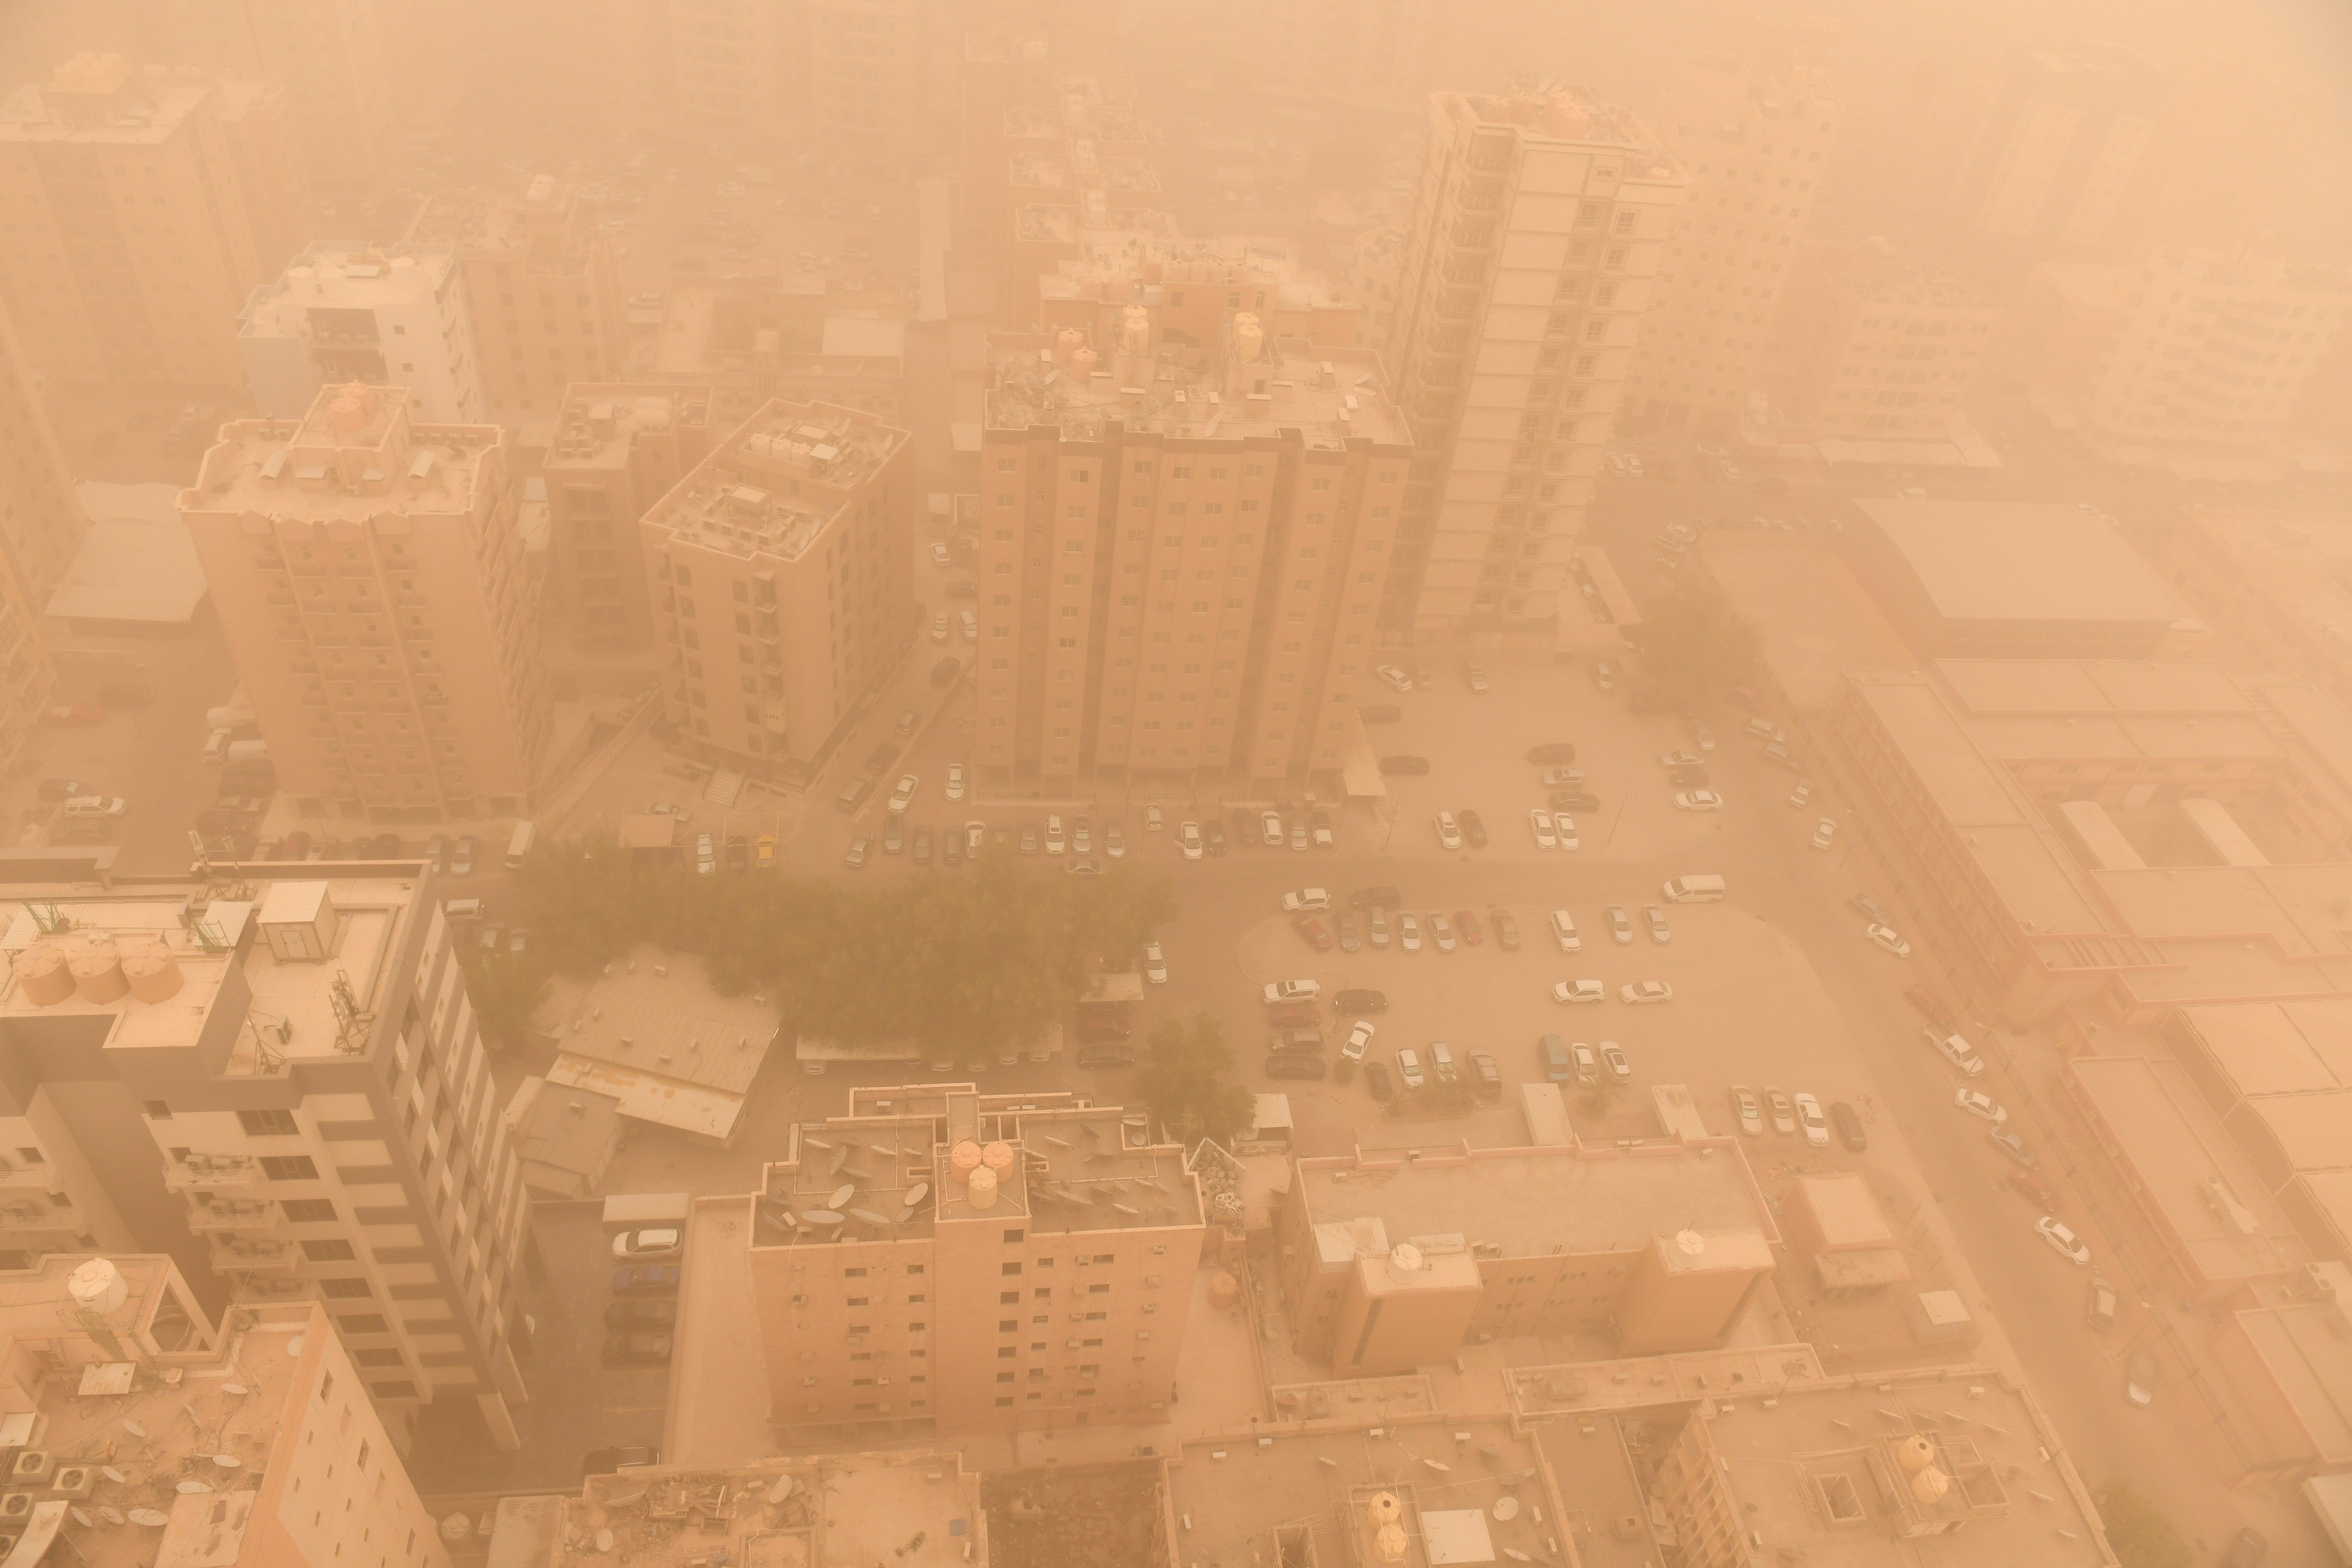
point(33, 1465)
point(7, 1541)
point(16, 1506)
point(74, 1480)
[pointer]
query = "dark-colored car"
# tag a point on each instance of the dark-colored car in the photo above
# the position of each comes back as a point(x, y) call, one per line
point(894, 832)
point(641, 1312)
point(922, 846)
point(738, 852)
point(1848, 1122)
point(1290, 1065)
point(1688, 777)
point(1506, 929)
point(1099, 1056)
point(645, 1280)
point(605, 1461)
point(1414, 766)
point(1554, 751)
point(1215, 835)
point(637, 1350)
point(1552, 1052)
point(1284, 1015)
point(1246, 833)
point(1485, 1076)
point(216, 820)
point(2029, 1186)
point(1360, 1003)
point(1862, 903)
point(1574, 800)
point(1473, 828)
point(1377, 1080)
point(881, 757)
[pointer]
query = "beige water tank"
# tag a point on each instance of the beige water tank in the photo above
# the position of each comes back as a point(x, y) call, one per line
point(1249, 338)
point(1082, 363)
point(997, 1157)
point(981, 1191)
point(1066, 343)
point(42, 973)
point(97, 1286)
point(1915, 1453)
point(963, 1159)
point(1223, 1290)
point(1929, 1485)
point(98, 973)
point(151, 970)
point(1135, 331)
point(1385, 1508)
point(1390, 1544)
point(348, 412)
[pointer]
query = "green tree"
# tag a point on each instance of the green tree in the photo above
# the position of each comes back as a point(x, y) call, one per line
point(506, 989)
point(1694, 644)
point(2141, 1533)
point(1185, 1081)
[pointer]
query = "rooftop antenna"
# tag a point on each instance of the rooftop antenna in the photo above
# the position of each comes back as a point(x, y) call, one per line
point(351, 1020)
point(50, 918)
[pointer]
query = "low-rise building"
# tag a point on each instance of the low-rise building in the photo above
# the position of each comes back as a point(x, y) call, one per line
point(1392, 1262)
point(347, 311)
point(947, 1260)
point(670, 1049)
point(1876, 343)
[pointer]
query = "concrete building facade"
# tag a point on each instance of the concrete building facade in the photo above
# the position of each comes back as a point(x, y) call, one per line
point(2278, 585)
point(317, 1479)
point(147, 206)
point(1871, 342)
point(619, 447)
point(782, 570)
point(368, 570)
point(2057, 159)
point(1753, 145)
point(345, 311)
point(1539, 225)
point(41, 526)
point(542, 295)
point(1180, 554)
point(999, 1265)
point(286, 1091)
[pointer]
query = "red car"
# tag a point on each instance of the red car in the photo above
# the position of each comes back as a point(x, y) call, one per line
point(1467, 923)
point(1286, 1015)
point(1096, 1026)
point(1929, 1004)
point(1310, 928)
point(2029, 1184)
point(75, 714)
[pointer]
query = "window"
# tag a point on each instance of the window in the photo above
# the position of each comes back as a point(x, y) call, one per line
point(288, 1168)
point(376, 1357)
point(307, 1210)
point(401, 1389)
point(267, 1124)
point(1012, 1269)
point(329, 1251)
point(342, 1289)
point(363, 1322)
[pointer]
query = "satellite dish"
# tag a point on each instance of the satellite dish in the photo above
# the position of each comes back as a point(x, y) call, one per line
point(841, 1196)
point(868, 1217)
point(228, 1461)
point(1505, 1509)
point(781, 1489)
point(111, 1473)
point(154, 1519)
point(294, 1345)
point(916, 1193)
point(232, 1388)
point(190, 1488)
point(79, 1517)
point(604, 1540)
point(134, 1427)
point(111, 1515)
point(820, 1216)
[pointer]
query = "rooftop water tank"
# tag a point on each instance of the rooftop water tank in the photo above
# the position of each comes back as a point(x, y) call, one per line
point(97, 1286)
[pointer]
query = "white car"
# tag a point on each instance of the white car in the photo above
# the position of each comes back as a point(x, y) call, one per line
point(1360, 1040)
point(1563, 828)
point(1056, 840)
point(1114, 841)
point(1449, 831)
point(1748, 1109)
point(1570, 992)
point(1765, 729)
point(637, 1246)
point(1155, 964)
point(1956, 1050)
point(1697, 800)
point(1888, 941)
point(95, 805)
point(1816, 1126)
point(904, 793)
point(1409, 1071)
point(1621, 930)
point(1440, 931)
point(1540, 822)
point(975, 834)
point(1563, 931)
point(1408, 931)
point(1563, 779)
point(1293, 990)
point(939, 556)
point(1980, 1105)
point(1307, 901)
point(1642, 992)
point(1152, 818)
point(970, 624)
point(1674, 760)
point(1395, 677)
point(1188, 839)
point(1613, 1059)
point(939, 628)
point(1801, 793)
point(1823, 831)
point(955, 780)
point(2063, 1242)
point(1660, 932)
point(1269, 825)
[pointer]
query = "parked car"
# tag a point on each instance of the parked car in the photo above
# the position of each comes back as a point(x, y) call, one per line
point(1449, 831)
point(1929, 1004)
point(1293, 990)
point(1466, 922)
point(1539, 823)
point(1697, 800)
point(1393, 676)
point(1096, 1056)
point(1409, 1068)
point(1885, 939)
point(1359, 1041)
point(639, 1312)
point(1506, 929)
point(1848, 1122)
point(1620, 928)
point(1810, 1120)
point(1377, 1082)
point(1747, 1110)
point(1981, 1105)
point(1640, 992)
point(2030, 1186)
point(1475, 677)
point(2006, 1141)
point(645, 1280)
point(1155, 964)
point(1782, 1108)
point(2061, 1239)
point(1283, 1015)
point(1614, 1063)
point(1956, 1050)
point(2139, 1376)
point(1862, 903)
point(1552, 1052)
point(1188, 841)
point(1484, 1076)
point(1408, 931)
point(2099, 1306)
point(1574, 992)
point(1311, 931)
point(1660, 932)
point(648, 1243)
point(1352, 936)
point(1473, 828)
point(1307, 901)
point(1824, 832)
point(1574, 800)
point(1441, 931)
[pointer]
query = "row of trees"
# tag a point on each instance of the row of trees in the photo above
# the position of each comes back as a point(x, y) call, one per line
point(960, 964)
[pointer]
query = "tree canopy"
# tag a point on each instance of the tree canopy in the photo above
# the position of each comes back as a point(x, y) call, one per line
point(963, 963)
point(1185, 1081)
point(2141, 1533)
point(1693, 643)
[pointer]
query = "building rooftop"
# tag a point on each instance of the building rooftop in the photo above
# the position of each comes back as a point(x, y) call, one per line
point(98, 99)
point(1570, 114)
point(2307, 1348)
point(352, 457)
point(1107, 1515)
point(600, 420)
point(1139, 268)
point(890, 1167)
point(1526, 1202)
point(346, 274)
point(2277, 1048)
point(135, 567)
point(2022, 560)
point(537, 222)
point(849, 1510)
point(1329, 396)
point(775, 484)
point(653, 1011)
point(147, 968)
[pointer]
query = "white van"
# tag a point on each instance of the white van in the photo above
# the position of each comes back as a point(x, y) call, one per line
point(217, 746)
point(1704, 888)
point(1563, 931)
point(458, 909)
point(519, 846)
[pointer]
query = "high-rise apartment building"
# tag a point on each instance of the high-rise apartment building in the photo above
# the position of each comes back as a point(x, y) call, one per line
point(1874, 342)
point(145, 206)
point(783, 584)
point(540, 288)
point(2057, 161)
point(41, 518)
point(1180, 554)
point(869, 69)
point(1753, 145)
point(737, 66)
point(367, 569)
point(1003, 1263)
point(279, 1083)
point(298, 1470)
point(2214, 350)
point(345, 311)
point(1539, 222)
point(618, 448)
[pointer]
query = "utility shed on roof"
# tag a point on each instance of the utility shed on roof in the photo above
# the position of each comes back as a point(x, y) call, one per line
point(564, 1136)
